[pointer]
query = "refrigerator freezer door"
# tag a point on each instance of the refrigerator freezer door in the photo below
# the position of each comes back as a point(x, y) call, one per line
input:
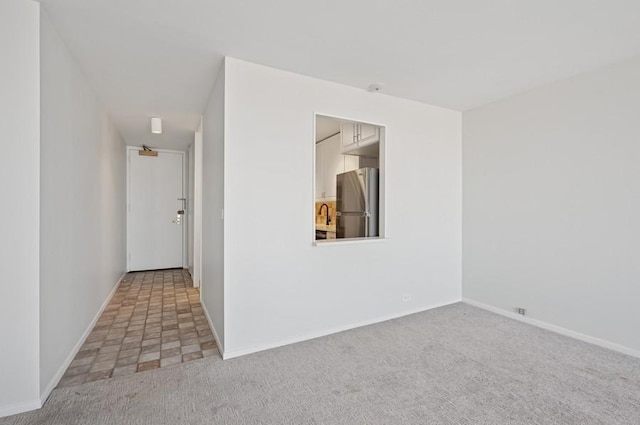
point(357, 204)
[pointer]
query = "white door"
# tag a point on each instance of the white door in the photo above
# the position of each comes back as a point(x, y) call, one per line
point(155, 230)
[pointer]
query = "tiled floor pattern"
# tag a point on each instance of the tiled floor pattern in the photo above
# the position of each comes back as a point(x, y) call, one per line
point(154, 320)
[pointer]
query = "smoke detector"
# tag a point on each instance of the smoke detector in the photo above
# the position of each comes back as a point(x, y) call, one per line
point(375, 87)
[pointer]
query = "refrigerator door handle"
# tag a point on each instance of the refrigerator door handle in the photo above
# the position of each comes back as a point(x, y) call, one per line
point(366, 226)
point(360, 213)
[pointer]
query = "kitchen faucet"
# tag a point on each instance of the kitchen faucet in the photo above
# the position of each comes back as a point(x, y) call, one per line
point(328, 216)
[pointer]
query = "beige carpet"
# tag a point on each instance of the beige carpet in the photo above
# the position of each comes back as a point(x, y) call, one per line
point(452, 365)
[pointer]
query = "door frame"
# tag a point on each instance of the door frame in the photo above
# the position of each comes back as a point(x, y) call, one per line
point(185, 177)
point(198, 141)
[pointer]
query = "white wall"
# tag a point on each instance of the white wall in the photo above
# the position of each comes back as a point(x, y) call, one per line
point(213, 237)
point(279, 287)
point(552, 204)
point(19, 188)
point(197, 205)
point(190, 206)
point(196, 179)
point(82, 220)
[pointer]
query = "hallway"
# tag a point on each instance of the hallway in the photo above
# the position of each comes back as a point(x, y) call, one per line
point(154, 320)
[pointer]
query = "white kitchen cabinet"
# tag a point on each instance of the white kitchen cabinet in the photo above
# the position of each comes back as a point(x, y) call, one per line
point(356, 136)
point(367, 134)
point(348, 132)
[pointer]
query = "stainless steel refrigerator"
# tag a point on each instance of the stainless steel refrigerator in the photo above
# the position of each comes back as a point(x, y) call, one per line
point(357, 204)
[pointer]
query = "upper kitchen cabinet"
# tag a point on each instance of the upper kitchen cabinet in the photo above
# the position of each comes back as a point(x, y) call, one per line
point(359, 138)
point(368, 134)
point(348, 134)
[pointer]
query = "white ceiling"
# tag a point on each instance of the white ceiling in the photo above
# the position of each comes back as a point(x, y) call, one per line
point(160, 57)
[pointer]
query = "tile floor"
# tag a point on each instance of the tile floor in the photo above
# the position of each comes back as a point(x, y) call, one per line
point(154, 320)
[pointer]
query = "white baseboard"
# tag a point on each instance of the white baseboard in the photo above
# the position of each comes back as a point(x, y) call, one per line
point(56, 378)
point(19, 408)
point(329, 331)
point(213, 330)
point(554, 328)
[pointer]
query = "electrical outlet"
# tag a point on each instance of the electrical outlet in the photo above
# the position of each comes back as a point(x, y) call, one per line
point(406, 298)
point(521, 310)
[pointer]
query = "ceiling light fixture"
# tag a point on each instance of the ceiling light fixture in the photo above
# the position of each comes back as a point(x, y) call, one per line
point(156, 125)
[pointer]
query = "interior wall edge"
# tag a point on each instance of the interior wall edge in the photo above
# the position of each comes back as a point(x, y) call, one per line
point(62, 369)
point(210, 173)
point(15, 409)
point(219, 345)
point(555, 328)
point(334, 330)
